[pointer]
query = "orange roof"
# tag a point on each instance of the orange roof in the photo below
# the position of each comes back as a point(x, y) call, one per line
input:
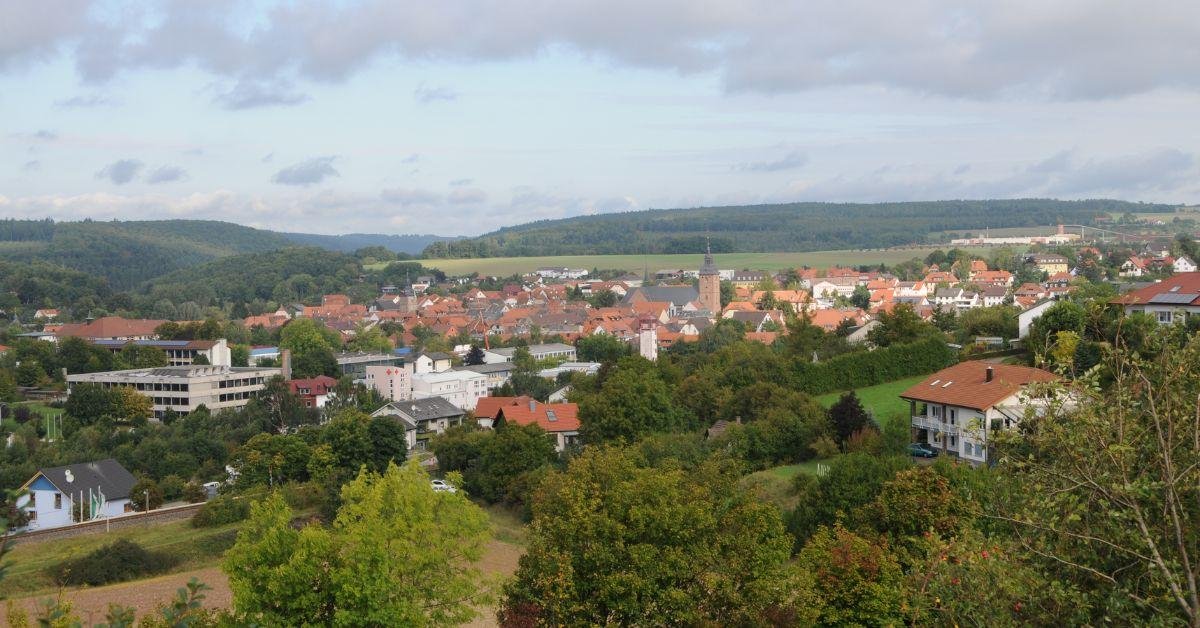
point(965, 385)
point(552, 417)
point(741, 306)
point(488, 407)
point(829, 319)
point(765, 337)
point(1181, 284)
point(978, 265)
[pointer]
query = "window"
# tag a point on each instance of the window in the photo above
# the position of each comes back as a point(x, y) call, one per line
point(58, 501)
point(953, 416)
point(1164, 317)
point(937, 412)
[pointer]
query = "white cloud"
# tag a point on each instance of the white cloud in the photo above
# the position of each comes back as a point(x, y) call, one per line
point(121, 171)
point(308, 172)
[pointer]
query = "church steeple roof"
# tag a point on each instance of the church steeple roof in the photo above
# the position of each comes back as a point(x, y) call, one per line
point(709, 267)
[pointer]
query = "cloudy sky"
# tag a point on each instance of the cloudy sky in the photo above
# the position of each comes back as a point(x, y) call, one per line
point(460, 116)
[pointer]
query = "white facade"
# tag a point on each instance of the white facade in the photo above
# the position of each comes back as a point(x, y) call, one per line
point(648, 341)
point(184, 388)
point(1026, 318)
point(538, 352)
point(51, 508)
point(394, 383)
point(965, 431)
point(461, 388)
point(1184, 265)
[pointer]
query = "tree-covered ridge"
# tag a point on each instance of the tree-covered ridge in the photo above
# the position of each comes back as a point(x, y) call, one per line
point(772, 228)
point(129, 253)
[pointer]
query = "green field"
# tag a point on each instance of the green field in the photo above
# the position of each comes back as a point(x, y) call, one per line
point(882, 400)
point(503, 266)
point(195, 547)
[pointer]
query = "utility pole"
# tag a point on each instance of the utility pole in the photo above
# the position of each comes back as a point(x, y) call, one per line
point(147, 493)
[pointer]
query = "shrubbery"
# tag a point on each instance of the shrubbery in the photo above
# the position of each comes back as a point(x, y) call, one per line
point(221, 510)
point(868, 368)
point(120, 561)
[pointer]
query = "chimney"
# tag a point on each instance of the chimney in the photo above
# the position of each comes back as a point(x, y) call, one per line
point(285, 360)
point(990, 372)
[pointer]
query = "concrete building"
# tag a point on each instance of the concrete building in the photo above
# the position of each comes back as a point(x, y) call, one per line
point(435, 362)
point(179, 352)
point(394, 383)
point(184, 388)
point(355, 364)
point(538, 352)
point(462, 388)
point(60, 496)
point(497, 374)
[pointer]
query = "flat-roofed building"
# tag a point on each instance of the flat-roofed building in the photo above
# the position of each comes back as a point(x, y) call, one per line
point(179, 352)
point(394, 383)
point(355, 364)
point(538, 352)
point(462, 388)
point(184, 388)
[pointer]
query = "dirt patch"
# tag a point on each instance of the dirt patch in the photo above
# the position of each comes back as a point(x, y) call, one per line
point(147, 595)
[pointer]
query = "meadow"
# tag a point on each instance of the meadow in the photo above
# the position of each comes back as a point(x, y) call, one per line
point(504, 266)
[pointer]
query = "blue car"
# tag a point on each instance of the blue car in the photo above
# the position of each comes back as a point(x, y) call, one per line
point(922, 450)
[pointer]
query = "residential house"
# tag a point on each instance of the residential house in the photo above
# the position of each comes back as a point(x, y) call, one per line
point(314, 392)
point(1183, 264)
point(60, 496)
point(992, 295)
point(422, 418)
point(434, 362)
point(1030, 314)
point(1170, 300)
point(559, 420)
point(748, 278)
point(48, 314)
point(958, 409)
point(1049, 263)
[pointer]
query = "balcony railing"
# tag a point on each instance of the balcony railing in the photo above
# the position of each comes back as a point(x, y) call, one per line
point(935, 424)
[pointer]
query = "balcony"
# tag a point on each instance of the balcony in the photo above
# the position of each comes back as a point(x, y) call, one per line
point(937, 425)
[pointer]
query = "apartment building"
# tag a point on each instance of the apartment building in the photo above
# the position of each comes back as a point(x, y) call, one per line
point(462, 388)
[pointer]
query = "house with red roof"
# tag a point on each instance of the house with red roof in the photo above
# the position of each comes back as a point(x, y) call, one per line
point(959, 409)
point(1168, 301)
point(559, 420)
point(315, 392)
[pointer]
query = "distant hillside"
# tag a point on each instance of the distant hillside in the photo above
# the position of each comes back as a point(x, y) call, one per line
point(411, 244)
point(789, 227)
point(129, 253)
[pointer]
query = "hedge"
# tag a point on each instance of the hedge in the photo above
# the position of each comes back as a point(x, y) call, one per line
point(120, 561)
point(868, 368)
point(220, 510)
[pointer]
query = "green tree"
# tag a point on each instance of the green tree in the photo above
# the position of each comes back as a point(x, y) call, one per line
point(145, 491)
point(858, 581)
point(398, 554)
point(88, 403)
point(633, 400)
point(861, 297)
point(602, 348)
point(268, 459)
point(369, 340)
point(603, 298)
point(848, 416)
point(900, 326)
point(503, 456)
point(348, 437)
point(474, 356)
point(614, 543)
point(388, 443)
point(141, 356)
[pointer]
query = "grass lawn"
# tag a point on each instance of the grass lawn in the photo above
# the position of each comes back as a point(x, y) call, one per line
point(882, 400)
point(40, 408)
point(195, 547)
point(774, 485)
point(507, 526)
point(502, 266)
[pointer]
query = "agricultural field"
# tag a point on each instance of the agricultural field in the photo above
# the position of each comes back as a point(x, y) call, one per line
point(503, 266)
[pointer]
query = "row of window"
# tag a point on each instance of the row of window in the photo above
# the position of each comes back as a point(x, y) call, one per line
point(236, 396)
point(170, 401)
point(243, 381)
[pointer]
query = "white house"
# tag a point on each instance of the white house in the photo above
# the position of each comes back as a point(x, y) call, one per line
point(1026, 317)
point(957, 409)
point(1168, 301)
point(432, 362)
point(1183, 264)
point(60, 496)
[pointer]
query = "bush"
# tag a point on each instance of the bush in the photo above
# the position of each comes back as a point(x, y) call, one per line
point(194, 493)
point(138, 494)
point(172, 488)
point(120, 561)
point(221, 510)
point(303, 495)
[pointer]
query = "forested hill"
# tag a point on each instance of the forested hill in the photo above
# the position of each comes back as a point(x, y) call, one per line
point(770, 228)
point(129, 253)
point(411, 244)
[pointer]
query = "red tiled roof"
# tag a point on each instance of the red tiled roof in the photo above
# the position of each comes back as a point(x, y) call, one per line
point(565, 415)
point(965, 385)
point(489, 407)
point(111, 327)
point(318, 385)
point(1183, 283)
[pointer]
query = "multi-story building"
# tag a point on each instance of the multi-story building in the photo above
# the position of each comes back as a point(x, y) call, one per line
point(538, 352)
point(959, 408)
point(355, 364)
point(393, 382)
point(179, 352)
point(185, 388)
point(462, 388)
point(422, 418)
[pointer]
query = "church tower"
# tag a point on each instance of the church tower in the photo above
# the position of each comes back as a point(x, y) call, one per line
point(710, 284)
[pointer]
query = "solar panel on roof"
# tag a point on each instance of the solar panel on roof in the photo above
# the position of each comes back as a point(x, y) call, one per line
point(1178, 298)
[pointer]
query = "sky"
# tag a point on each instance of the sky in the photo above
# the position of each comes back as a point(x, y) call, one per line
point(462, 116)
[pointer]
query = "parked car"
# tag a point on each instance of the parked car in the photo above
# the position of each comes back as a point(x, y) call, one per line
point(442, 486)
point(922, 450)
